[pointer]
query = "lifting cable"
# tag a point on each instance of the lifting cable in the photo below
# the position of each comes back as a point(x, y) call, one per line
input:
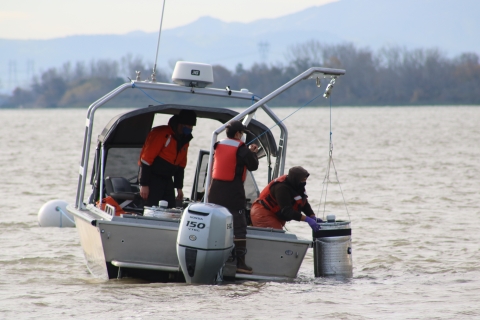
point(326, 179)
point(270, 129)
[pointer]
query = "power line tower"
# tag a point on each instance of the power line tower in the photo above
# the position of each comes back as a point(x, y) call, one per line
point(30, 72)
point(12, 74)
point(263, 48)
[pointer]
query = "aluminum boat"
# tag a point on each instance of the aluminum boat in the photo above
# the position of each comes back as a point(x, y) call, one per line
point(136, 245)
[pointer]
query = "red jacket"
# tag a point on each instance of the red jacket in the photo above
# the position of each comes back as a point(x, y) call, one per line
point(161, 143)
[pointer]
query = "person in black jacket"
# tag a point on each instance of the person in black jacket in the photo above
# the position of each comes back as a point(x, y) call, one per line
point(284, 199)
point(163, 159)
point(232, 159)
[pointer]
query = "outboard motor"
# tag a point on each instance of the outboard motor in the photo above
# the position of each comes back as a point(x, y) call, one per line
point(204, 241)
point(332, 249)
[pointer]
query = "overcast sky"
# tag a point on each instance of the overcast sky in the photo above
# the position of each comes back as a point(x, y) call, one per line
point(46, 19)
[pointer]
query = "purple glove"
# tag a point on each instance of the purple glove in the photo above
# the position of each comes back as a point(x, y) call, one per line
point(312, 223)
point(319, 220)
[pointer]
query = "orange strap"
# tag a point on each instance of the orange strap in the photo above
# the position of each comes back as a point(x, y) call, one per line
point(109, 200)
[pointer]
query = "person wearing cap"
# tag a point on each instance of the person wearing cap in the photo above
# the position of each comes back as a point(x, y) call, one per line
point(232, 159)
point(284, 199)
point(163, 159)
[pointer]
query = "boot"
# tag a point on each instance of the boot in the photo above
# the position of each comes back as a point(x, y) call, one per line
point(241, 251)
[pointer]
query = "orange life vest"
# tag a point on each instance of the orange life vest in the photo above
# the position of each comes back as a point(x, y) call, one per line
point(270, 203)
point(225, 160)
point(161, 143)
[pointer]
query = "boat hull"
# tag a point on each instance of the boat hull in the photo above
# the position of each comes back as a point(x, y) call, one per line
point(145, 247)
point(273, 254)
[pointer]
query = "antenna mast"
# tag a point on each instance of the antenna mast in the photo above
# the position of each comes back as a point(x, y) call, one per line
point(154, 71)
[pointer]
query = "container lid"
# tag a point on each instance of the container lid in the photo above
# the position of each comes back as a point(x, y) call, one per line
point(163, 204)
point(338, 224)
point(331, 218)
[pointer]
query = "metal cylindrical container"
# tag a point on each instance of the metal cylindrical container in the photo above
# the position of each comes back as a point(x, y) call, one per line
point(332, 249)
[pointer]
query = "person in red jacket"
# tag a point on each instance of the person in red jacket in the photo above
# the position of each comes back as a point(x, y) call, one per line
point(163, 159)
point(232, 159)
point(284, 199)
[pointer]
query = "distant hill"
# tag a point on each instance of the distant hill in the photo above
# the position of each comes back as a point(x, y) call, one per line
point(450, 25)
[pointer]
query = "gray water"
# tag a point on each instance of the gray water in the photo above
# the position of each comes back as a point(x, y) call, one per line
point(410, 177)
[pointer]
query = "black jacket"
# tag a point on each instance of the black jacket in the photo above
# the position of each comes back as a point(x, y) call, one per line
point(285, 192)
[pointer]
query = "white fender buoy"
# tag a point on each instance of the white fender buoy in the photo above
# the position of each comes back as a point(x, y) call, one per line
point(54, 214)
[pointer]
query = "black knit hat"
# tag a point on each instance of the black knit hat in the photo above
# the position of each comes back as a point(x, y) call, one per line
point(234, 127)
point(297, 174)
point(188, 117)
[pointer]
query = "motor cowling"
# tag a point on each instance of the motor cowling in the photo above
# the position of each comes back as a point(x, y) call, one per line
point(204, 241)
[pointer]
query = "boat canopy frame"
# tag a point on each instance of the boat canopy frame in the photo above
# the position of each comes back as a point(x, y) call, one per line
point(130, 130)
point(246, 115)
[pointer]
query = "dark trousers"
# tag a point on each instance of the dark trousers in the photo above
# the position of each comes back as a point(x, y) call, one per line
point(239, 223)
point(161, 189)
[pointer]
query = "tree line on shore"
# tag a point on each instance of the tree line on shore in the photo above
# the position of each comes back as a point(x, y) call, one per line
point(391, 76)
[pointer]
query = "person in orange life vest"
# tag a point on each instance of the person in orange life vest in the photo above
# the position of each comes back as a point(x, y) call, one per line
point(163, 159)
point(232, 159)
point(283, 200)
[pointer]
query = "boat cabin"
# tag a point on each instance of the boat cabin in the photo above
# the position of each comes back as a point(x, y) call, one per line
point(115, 170)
